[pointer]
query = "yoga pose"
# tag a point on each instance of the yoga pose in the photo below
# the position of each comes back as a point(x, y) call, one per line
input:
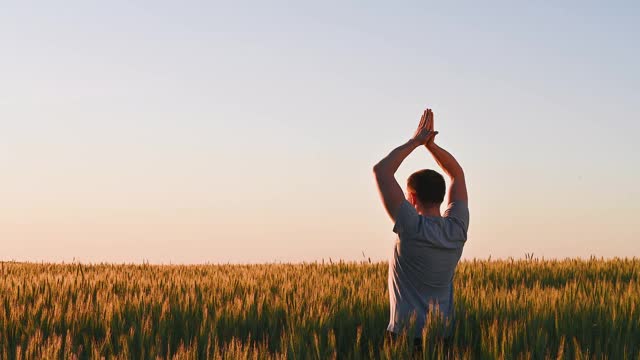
point(428, 244)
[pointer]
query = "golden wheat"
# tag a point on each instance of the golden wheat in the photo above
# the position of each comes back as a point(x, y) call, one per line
point(505, 310)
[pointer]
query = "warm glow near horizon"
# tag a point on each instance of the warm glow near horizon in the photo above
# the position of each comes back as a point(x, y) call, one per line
point(198, 132)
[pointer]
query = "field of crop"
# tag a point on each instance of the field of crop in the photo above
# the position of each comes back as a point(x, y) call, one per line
point(505, 309)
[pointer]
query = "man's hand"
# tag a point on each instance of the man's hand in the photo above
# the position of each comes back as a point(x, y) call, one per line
point(424, 134)
point(430, 140)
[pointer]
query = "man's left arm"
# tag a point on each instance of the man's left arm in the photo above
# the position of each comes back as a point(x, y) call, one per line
point(390, 191)
point(384, 171)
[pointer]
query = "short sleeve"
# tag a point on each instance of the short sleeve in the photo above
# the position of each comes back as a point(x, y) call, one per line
point(407, 219)
point(459, 212)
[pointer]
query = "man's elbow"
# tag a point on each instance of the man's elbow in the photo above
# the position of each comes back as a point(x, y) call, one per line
point(457, 175)
point(377, 169)
point(380, 171)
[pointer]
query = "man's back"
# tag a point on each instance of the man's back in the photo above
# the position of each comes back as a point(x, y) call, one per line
point(424, 259)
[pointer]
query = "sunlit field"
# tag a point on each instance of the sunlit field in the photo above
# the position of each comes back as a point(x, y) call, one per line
point(505, 309)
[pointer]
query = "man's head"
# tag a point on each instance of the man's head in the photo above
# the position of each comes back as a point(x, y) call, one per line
point(426, 187)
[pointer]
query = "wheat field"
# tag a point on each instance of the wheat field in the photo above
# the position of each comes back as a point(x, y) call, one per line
point(505, 309)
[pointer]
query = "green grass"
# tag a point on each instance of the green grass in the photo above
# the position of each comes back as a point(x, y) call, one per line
point(505, 309)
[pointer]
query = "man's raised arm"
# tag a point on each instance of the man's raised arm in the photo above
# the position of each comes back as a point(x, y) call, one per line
point(458, 189)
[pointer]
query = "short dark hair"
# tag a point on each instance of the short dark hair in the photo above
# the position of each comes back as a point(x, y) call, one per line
point(428, 185)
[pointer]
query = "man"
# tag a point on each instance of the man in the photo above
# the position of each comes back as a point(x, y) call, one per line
point(429, 244)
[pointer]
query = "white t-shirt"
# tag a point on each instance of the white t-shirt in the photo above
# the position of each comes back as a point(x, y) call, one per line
point(425, 256)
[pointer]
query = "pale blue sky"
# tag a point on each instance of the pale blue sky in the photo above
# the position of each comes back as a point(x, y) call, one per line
point(246, 131)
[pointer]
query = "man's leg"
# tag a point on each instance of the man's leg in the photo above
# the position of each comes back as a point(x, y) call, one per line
point(417, 342)
point(417, 346)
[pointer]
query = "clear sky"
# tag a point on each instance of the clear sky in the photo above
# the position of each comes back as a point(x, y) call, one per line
point(239, 131)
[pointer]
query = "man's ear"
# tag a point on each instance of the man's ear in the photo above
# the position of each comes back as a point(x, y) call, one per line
point(412, 198)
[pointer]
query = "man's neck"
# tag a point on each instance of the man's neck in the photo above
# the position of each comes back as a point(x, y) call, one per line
point(430, 211)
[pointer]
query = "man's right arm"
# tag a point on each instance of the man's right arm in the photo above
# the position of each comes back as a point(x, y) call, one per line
point(458, 189)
